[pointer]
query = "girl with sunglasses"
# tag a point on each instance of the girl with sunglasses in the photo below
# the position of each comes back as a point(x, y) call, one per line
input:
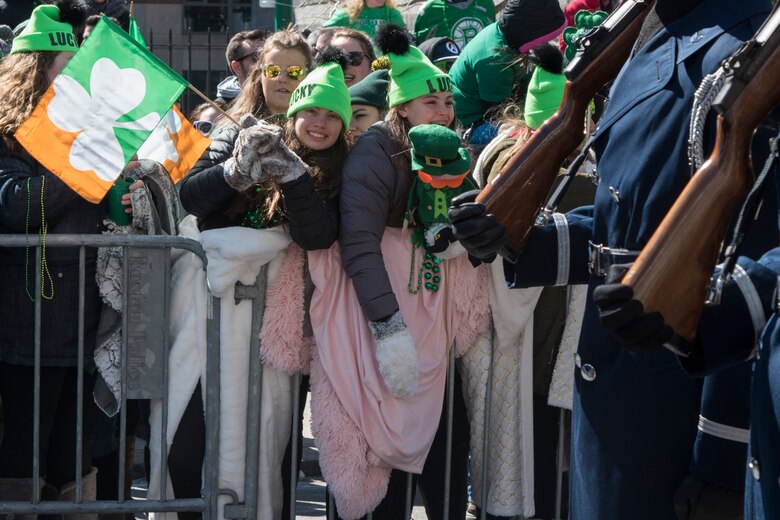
point(282, 63)
point(262, 187)
point(389, 377)
point(359, 50)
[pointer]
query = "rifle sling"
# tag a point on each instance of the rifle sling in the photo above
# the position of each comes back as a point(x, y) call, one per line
point(563, 186)
point(748, 213)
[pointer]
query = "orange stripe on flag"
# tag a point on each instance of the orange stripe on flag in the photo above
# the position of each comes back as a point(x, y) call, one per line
point(51, 146)
point(190, 144)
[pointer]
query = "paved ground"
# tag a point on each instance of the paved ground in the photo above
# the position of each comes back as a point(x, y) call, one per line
point(310, 494)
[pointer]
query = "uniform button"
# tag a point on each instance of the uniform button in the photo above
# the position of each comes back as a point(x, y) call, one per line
point(754, 469)
point(59, 275)
point(615, 194)
point(577, 360)
point(588, 372)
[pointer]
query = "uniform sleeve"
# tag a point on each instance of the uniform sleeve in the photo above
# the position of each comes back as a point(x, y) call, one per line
point(313, 222)
point(556, 254)
point(365, 200)
point(728, 332)
point(339, 19)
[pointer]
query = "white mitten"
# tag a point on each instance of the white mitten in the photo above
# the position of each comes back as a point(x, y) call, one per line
point(396, 355)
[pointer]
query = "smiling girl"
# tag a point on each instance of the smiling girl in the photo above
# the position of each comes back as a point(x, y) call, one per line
point(399, 332)
point(278, 181)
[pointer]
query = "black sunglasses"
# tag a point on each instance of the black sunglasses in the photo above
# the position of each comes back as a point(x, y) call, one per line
point(355, 58)
point(252, 55)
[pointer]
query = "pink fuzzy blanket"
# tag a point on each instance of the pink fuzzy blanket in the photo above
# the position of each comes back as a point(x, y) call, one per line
point(282, 344)
point(360, 429)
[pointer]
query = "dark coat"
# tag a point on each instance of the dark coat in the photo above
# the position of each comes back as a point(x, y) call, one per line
point(22, 179)
point(312, 222)
point(635, 415)
point(375, 189)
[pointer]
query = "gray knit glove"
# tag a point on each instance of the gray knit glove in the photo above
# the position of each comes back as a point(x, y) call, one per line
point(282, 164)
point(396, 355)
point(255, 140)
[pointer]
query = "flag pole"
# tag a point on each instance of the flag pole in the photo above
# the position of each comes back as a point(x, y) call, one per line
point(210, 102)
point(131, 8)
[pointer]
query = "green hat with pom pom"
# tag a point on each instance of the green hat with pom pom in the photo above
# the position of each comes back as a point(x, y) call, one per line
point(48, 30)
point(412, 74)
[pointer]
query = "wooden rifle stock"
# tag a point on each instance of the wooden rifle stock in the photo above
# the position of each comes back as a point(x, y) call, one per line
point(672, 274)
point(519, 191)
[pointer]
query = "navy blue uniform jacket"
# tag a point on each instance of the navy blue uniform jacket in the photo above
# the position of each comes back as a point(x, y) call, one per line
point(635, 416)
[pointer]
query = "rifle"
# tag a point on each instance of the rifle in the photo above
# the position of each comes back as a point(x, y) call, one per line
point(518, 192)
point(672, 274)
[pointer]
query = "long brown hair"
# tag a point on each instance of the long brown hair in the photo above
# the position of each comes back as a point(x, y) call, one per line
point(354, 7)
point(22, 81)
point(251, 100)
point(324, 167)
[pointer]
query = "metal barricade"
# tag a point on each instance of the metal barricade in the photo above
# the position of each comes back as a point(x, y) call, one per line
point(146, 279)
point(144, 324)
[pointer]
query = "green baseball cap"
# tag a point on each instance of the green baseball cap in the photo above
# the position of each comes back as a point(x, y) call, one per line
point(46, 32)
point(436, 150)
point(545, 92)
point(323, 87)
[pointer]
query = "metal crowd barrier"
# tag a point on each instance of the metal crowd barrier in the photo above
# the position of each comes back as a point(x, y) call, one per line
point(148, 259)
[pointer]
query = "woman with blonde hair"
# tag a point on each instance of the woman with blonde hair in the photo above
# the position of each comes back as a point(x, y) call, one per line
point(282, 62)
point(259, 195)
point(366, 15)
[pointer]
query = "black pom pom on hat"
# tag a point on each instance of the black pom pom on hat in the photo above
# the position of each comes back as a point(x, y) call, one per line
point(393, 38)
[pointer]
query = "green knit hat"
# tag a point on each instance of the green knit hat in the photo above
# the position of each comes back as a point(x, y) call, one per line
point(545, 90)
point(436, 150)
point(371, 90)
point(45, 32)
point(411, 73)
point(324, 87)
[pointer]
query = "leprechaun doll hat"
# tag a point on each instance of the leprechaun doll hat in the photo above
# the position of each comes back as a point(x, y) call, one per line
point(50, 28)
point(436, 150)
point(324, 87)
point(411, 73)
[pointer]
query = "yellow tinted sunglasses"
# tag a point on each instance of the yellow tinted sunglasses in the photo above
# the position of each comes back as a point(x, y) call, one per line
point(294, 72)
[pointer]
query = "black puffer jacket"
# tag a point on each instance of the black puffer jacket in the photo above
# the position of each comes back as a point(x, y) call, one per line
point(312, 222)
point(22, 179)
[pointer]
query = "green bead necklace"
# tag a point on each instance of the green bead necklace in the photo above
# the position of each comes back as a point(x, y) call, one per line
point(430, 270)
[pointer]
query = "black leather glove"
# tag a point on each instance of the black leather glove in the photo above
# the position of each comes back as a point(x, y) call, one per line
point(480, 234)
point(697, 499)
point(625, 318)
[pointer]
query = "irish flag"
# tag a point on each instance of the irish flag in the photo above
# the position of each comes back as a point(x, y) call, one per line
point(99, 111)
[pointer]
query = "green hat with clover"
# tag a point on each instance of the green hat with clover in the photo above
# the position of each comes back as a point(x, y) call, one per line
point(324, 87)
point(411, 73)
point(50, 28)
point(436, 150)
point(584, 21)
point(545, 90)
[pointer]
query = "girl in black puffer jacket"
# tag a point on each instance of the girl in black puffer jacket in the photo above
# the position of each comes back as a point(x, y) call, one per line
point(262, 176)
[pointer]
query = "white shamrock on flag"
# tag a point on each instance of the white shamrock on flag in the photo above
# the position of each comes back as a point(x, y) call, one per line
point(159, 146)
point(115, 92)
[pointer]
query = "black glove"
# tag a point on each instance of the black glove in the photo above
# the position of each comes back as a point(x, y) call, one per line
point(480, 234)
point(697, 499)
point(625, 318)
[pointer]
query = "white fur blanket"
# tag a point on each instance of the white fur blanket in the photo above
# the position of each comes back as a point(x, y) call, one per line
point(234, 254)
